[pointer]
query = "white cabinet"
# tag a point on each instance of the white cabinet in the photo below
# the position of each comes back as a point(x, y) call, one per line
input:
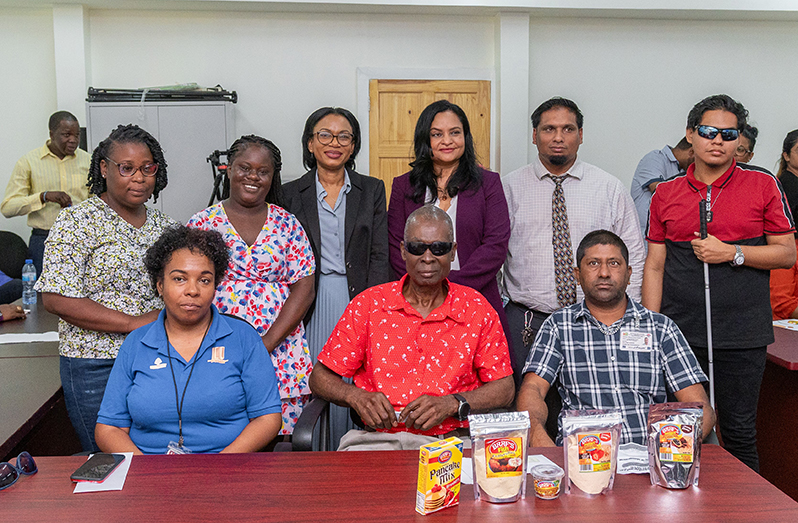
point(188, 133)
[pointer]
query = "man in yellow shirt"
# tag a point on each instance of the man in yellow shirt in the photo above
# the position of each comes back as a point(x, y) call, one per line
point(46, 179)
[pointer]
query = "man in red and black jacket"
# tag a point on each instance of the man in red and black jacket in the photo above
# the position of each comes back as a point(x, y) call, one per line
point(749, 232)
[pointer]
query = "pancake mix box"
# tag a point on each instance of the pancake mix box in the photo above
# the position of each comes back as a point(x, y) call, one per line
point(439, 465)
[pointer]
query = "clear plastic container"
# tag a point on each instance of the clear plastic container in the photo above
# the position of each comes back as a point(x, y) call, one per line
point(547, 480)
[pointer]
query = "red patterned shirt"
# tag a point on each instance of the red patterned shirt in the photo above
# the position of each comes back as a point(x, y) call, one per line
point(385, 345)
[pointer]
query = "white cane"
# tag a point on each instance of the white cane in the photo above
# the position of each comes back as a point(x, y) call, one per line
point(703, 209)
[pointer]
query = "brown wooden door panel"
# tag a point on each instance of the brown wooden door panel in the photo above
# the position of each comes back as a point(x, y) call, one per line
point(394, 109)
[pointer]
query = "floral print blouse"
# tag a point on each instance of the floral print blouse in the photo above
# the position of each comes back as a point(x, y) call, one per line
point(92, 252)
point(257, 284)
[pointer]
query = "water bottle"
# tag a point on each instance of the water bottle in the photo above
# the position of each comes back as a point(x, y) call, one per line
point(28, 281)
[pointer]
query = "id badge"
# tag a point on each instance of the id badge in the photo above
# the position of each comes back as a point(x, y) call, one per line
point(636, 341)
point(176, 448)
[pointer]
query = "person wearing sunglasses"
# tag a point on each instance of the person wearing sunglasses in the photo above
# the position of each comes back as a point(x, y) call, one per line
point(749, 232)
point(343, 213)
point(445, 173)
point(94, 276)
point(270, 281)
point(423, 352)
point(194, 380)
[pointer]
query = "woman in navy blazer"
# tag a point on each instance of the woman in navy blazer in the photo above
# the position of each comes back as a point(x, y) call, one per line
point(445, 173)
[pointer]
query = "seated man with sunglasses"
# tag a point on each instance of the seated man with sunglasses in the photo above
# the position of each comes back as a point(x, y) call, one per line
point(749, 231)
point(423, 352)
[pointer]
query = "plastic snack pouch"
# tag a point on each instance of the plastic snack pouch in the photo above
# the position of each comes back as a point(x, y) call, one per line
point(499, 451)
point(674, 444)
point(590, 449)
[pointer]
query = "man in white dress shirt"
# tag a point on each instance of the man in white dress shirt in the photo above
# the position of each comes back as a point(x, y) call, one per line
point(554, 202)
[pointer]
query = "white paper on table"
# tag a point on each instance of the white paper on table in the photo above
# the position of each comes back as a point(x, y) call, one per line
point(466, 470)
point(115, 481)
point(23, 337)
point(786, 324)
point(632, 459)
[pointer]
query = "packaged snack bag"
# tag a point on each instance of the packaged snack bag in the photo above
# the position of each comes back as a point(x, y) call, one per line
point(499, 450)
point(590, 447)
point(439, 466)
point(674, 444)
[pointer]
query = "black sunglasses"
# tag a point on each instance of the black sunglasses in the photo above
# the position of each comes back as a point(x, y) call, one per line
point(9, 474)
point(437, 248)
point(709, 132)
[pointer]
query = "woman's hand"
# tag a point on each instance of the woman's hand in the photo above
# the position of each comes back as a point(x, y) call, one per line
point(257, 434)
point(12, 312)
point(294, 309)
point(88, 314)
point(114, 439)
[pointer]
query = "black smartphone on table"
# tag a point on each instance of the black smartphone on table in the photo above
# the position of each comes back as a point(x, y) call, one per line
point(98, 467)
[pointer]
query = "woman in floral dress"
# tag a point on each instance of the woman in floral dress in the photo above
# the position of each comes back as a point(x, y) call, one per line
point(270, 279)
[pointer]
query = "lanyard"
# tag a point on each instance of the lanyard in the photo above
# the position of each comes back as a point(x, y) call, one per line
point(179, 402)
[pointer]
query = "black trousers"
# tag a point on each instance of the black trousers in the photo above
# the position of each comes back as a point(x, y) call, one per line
point(738, 376)
point(518, 350)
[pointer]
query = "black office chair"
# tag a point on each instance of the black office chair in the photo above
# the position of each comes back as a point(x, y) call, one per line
point(317, 411)
point(13, 254)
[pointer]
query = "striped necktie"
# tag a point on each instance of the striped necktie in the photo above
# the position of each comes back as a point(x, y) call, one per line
point(563, 250)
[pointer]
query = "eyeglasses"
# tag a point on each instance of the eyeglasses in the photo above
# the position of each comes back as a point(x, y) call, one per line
point(126, 170)
point(709, 132)
point(246, 171)
point(436, 248)
point(9, 474)
point(326, 138)
point(742, 150)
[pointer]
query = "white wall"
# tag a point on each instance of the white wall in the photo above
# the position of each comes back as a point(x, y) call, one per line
point(27, 92)
point(283, 66)
point(636, 80)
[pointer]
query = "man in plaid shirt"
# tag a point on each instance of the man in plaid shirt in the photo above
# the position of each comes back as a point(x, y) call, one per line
point(608, 351)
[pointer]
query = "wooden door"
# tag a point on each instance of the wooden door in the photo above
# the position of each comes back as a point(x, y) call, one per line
point(395, 107)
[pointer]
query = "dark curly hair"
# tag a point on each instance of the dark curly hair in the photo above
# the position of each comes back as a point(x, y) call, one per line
point(307, 157)
point(718, 102)
point(209, 243)
point(275, 195)
point(126, 134)
point(422, 176)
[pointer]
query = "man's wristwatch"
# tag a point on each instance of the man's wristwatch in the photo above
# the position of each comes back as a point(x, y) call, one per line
point(739, 258)
point(464, 409)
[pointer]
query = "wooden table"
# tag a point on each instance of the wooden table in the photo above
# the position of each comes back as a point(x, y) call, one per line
point(368, 486)
point(777, 415)
point(29, 375)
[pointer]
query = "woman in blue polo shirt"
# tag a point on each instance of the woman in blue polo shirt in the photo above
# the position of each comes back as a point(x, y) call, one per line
point(194, 380)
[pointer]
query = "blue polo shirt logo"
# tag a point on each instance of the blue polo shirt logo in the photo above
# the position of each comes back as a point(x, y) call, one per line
point(217, 355)
point(158, 364)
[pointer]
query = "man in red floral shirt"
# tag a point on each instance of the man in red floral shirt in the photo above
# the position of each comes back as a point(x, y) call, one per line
point(423, 352)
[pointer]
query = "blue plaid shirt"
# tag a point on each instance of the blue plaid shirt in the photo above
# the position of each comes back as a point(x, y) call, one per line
point(595, 373)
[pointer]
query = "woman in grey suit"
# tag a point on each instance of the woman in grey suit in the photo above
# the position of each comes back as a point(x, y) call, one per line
point(344, 215)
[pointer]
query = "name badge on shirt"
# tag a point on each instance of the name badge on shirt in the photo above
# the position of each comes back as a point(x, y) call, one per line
point(635, 341)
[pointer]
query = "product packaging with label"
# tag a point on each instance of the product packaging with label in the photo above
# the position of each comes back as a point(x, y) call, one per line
point(674, 444)
point(439, 466)
point(590, 448)
point(499, 449)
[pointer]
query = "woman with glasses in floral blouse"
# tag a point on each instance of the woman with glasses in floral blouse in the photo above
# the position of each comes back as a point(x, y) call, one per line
point(93, 275)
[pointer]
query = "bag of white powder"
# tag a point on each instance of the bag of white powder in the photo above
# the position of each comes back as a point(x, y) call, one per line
point(590, 449)
point(499, 451)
